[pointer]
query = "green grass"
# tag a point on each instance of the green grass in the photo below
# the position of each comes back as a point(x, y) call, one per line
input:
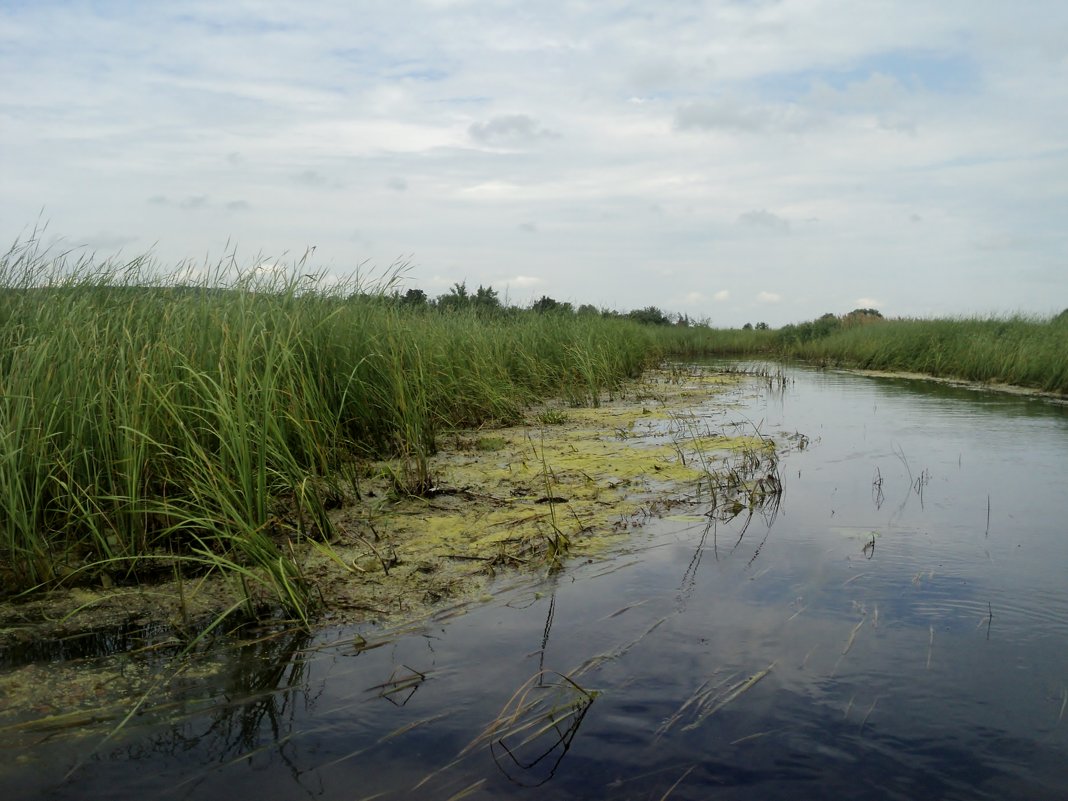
point(154, 423)
point(1024, 351)
point(148, 421)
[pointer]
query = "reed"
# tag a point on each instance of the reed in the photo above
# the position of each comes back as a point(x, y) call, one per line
point(182, 423)
point(1021, 350)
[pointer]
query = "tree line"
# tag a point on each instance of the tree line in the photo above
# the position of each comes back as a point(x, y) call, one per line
point(485, 300)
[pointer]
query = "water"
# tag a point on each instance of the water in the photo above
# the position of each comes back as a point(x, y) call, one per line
point(899, 629)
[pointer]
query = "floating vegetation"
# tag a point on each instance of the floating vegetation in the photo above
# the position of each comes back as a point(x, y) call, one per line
point(600, 659)
point(709, 699)
point(535, 729)
point(867, 715)
point(853, 635)
point(678, 781)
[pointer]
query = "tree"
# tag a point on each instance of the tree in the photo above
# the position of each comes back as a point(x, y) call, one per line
point(650, 315)
point(456, 299)
point(486, 299)
point(546, 304)
point(747, 327)
point(415, 298)
point(762, 326)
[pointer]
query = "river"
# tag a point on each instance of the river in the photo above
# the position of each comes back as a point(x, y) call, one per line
point(895, 627)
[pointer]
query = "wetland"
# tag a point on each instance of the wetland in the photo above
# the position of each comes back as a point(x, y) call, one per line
point(755, 583)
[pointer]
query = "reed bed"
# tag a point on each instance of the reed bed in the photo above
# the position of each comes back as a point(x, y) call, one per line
point(1019, 350)
point(1024, 351)
point(179, 423)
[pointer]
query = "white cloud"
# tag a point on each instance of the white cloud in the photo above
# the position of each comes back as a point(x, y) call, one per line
point(509, 129)
point(194, 202)
point(455, 139)
point(735, 117)
point(768, 297)
point(763, 218)
point(524, 281)
point(868, 303)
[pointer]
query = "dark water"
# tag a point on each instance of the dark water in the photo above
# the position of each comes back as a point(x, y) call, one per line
point(898, 630)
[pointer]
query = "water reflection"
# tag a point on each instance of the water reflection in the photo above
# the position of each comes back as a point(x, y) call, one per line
point(886, 618)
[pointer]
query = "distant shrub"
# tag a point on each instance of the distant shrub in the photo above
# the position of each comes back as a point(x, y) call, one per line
point(806, 332)
point(861, 317)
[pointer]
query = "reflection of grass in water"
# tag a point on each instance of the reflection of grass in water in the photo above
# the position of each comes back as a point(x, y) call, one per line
point(252, 688)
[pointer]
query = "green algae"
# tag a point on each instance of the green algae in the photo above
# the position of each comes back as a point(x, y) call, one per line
point(520, 497)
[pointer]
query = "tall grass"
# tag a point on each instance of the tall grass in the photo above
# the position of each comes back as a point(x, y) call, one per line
point(158, 422)
point(1019, 350)
point(149, 421)
point(1025, 351)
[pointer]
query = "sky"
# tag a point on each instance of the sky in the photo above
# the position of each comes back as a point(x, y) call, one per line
point(732, 160)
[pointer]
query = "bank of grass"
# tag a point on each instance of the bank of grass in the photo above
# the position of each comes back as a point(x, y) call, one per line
point(170, 426)
point(163, 426)
point(695, 342)
point(1023, 351)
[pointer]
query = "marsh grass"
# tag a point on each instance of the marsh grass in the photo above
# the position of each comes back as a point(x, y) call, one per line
point(1026, 351)
point(180, 424)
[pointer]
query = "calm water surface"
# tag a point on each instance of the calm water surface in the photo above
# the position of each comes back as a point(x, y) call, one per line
point(899, 629)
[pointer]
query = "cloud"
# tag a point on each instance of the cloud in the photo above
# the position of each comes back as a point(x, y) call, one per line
point(310, 178)
point(397, 184)
point(732, 116)
point(524, 280)
point(1000, 242)
point(693, 298)
point(763, 219)
point(238, 205)
point(509, 129)
point(193, 202)
point(665, 149)
point(768, 297)
point(881, 97)
point(108, 241)
point(722, 115)
point(868, 303)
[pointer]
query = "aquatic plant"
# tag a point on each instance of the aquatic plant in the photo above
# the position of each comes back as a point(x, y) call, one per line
point(1022, 350)
point(196, 422)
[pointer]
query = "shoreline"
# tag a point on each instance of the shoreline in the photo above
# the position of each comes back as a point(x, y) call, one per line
point(517, 498)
